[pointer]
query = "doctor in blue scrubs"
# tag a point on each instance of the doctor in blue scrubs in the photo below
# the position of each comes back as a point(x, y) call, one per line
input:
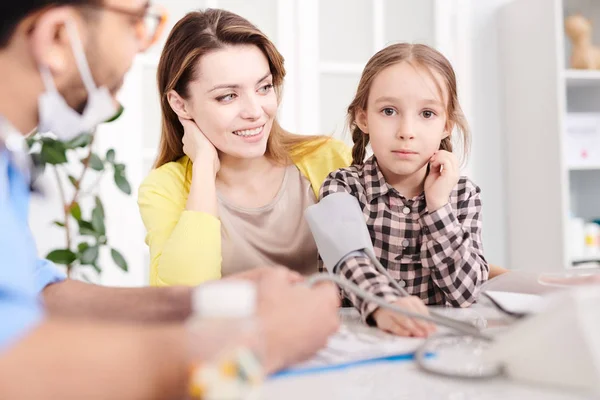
point(61, 63)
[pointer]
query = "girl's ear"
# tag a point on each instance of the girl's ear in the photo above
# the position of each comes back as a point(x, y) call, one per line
point(178, 105)
point(361, 121)
point(449, 129)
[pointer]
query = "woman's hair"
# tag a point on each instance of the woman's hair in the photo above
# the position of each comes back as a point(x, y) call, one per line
point(416, 55)
point(194, 36)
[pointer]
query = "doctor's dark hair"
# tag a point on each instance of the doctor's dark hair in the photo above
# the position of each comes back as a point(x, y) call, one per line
point(417, 55)
point(15, 11)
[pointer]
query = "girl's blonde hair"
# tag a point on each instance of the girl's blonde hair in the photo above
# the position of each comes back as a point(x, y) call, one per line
point(194, 36)
point(416, 55)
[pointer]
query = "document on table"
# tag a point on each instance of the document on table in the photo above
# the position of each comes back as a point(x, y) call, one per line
point(518, 302)
point(517, 282)
point(354, 344)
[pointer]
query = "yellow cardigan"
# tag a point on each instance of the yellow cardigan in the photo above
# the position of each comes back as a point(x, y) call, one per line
point(185, 246)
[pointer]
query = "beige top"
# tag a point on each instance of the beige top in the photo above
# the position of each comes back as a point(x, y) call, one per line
point(276, 234)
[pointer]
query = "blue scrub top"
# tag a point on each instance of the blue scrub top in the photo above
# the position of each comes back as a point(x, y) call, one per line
point(22, 274)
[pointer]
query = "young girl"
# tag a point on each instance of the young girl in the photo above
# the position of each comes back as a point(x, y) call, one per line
point(423, 218)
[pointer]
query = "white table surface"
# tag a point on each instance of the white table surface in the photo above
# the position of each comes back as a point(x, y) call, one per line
point(403, 380)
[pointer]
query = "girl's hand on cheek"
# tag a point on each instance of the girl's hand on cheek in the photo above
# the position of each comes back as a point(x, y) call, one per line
point(444, 173)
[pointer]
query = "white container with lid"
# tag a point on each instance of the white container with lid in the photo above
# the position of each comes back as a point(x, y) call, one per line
point(225, 299)
point(226, 340)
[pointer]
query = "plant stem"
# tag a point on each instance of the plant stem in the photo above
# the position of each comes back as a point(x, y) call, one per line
point(66, 212)
point(86, 164)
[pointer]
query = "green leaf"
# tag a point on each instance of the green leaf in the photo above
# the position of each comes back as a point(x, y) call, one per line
point(98, 221)
point(97, 268)
point(102, 240)
point(53, 152)
point(86, 228)
point(122, 183)
point(82, 246)
point(61, 256)
point(99, 206)
point(110, 156)
point(89, 256)
point(117, 114)
point(73, 181)
point(118, 259)
point(120, 168)
point(82, 140)
point(31, 141)
point(36, 158)
point(58, 223)
point(96, 163)
point(47, 140)
point(76, 211)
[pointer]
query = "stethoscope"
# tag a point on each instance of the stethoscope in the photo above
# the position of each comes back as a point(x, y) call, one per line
point(468, 341)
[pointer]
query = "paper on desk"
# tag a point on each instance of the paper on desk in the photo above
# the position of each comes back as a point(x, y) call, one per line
point(353, 344)
point(518, 302)
point(517, 282)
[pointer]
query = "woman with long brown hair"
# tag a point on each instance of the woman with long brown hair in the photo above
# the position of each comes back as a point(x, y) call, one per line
point(230, 185)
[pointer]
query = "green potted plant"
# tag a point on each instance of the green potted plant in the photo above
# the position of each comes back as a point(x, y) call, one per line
point(82, 217)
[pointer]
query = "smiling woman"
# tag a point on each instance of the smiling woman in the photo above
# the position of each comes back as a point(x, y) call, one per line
point(230, 185)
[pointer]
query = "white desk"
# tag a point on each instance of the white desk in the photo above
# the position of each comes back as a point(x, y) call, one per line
point(403, 380)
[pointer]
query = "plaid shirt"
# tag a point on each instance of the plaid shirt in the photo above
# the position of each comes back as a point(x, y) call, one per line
point(438, 255)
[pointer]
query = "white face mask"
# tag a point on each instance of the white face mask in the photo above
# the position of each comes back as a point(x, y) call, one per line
point(55, 114)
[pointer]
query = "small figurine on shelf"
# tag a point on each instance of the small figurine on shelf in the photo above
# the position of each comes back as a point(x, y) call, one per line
point(584, 55)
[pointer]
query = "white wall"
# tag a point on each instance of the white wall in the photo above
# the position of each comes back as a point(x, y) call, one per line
point(488, 152)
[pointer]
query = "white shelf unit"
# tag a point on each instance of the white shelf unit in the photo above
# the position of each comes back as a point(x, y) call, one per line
point(539, 91)
point(586, 167)
point(581, 78)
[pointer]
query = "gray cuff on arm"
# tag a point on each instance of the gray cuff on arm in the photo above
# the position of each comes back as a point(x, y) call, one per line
point(338, 226)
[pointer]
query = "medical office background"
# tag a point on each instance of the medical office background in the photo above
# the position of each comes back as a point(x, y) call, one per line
point(496, 46)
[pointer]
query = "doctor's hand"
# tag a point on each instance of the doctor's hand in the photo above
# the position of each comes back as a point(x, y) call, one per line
point(197, 147)
point(398, 324)
point(297, 320)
